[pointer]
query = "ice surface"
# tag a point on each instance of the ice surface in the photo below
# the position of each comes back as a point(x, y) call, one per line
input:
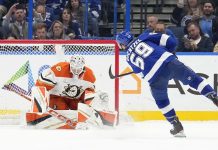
point(148, 135)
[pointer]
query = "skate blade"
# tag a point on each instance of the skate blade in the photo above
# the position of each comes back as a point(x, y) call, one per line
point(181, 134)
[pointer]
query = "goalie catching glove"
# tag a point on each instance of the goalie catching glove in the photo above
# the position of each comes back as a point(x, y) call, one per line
point(98, 100)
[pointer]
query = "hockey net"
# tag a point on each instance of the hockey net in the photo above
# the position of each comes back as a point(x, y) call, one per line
point(23, 60)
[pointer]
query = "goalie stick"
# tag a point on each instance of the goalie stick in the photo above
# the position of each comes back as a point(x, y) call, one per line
point(51, 111)
point(119, 75)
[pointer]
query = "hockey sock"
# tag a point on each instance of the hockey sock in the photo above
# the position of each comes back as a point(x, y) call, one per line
point(170, 116)
point(201, 86)
point(167, 110)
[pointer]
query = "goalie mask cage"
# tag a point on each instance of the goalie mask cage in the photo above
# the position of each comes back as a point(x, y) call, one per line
point(23, 60)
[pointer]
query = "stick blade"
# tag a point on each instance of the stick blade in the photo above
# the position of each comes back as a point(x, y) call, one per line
point(111, 74)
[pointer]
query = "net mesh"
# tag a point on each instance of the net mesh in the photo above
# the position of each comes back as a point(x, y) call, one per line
point(32, 49)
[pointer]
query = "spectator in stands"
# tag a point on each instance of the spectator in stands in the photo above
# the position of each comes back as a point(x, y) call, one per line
point(18, 25)
point(195, 40)
point(57, 6)
point(78, 11)
point(95, 10)
point(153, 25)
point(186, 11)
point(161, 28)
point(5, 6)
point(71, 28)
point(215, 48)
point(39, 13)
point(40, 31)
point(43, 13)
point(57, 31)
point(206, 20)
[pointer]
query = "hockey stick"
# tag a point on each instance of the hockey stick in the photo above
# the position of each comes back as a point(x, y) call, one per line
point(51, 111)
point(120, 75)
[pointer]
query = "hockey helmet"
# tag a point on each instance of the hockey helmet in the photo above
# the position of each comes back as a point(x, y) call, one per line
point(124, 38)
point(77, 64)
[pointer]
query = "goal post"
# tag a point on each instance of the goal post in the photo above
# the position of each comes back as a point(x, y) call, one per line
point(23, 60)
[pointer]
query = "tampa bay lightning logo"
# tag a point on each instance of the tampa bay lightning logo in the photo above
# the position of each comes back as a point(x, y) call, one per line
point(72, 91)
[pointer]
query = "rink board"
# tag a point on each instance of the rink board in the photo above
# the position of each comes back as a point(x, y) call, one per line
point(135, 97)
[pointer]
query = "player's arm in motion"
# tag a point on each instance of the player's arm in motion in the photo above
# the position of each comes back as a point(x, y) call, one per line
point(145, 55)
point(70, 86)
point(164, 40)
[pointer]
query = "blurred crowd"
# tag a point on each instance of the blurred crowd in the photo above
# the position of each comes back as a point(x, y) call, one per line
point(193, 22)
point(200, 22)
point(52, 19)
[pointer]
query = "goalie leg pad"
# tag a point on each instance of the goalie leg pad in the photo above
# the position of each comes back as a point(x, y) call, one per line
point(100, 118)
point(108, 117)
point(40, 99)
point(62, 119)
point(33, 118)
point(89, 115)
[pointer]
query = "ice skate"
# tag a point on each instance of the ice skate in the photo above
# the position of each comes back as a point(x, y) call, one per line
point(177, 130)
point(214, 98)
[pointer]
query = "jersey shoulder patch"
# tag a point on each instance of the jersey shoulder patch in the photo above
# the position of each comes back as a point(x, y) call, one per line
point(89, 75)
point(61, 69)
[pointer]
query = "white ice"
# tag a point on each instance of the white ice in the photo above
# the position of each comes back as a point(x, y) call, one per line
point(148, 135)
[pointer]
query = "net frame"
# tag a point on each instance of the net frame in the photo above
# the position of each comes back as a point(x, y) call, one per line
point(88, 42)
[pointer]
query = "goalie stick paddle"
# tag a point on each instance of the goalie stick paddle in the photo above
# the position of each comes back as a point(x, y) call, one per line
point(119, 75)
point(51, 111)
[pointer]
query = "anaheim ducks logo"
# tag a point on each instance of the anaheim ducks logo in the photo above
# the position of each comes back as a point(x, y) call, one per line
point(72, 91)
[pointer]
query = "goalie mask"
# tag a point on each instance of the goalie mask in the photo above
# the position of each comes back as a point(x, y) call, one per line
point(77, 64)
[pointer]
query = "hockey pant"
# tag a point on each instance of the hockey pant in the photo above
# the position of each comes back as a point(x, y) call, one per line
point(178, 71)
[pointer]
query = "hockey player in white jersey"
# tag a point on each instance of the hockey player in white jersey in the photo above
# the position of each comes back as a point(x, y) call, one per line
point(151, 56)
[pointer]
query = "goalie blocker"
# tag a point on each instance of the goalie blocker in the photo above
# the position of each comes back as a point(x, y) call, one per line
point(95, 114)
